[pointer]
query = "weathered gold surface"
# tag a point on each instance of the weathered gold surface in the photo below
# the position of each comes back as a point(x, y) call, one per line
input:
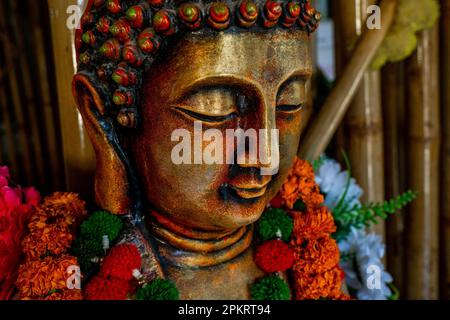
point(209, 74)
point(215, 75)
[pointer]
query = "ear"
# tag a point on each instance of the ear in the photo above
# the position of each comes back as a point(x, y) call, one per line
point(112, 183)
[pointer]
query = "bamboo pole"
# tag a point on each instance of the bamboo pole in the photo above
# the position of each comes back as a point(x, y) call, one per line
point(363, 123)
point(14, 99)
point(79, 157)
point(393, 98)
point(322, 130)
point(45, 92)
point(422, 100)
point(28, 99)
point(445, 166)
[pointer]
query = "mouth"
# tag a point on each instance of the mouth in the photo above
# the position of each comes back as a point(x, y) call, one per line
point(249, 193)
point(250, 189)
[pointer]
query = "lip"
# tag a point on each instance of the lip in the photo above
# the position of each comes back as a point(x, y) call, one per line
point(249, 193)
point(250, 187)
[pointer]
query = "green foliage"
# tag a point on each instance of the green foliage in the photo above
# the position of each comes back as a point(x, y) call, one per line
point(102, 223)
point(364, 216)
point(271, 288)
point(158, 289)
point(274, 224)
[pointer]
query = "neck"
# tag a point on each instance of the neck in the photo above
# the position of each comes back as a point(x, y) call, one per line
point(185, 247)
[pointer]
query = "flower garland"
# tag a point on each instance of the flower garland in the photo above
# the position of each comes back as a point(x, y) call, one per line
point(294, 234)
point(360, 251)
point(44, 273)
point(112, 272)
point(297, 215)
point(16, 206)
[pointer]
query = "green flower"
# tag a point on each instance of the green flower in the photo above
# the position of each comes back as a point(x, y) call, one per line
point(159, 289)
point(101, 224)
point(85, 249)
point(271, 288)
point(274, 224)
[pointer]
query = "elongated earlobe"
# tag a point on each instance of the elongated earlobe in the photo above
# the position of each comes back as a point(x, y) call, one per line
point(112, 186)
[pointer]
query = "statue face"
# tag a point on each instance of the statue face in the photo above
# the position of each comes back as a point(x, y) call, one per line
point(223, 81)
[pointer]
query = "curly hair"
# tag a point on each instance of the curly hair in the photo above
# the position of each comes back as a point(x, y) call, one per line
point(119, 39)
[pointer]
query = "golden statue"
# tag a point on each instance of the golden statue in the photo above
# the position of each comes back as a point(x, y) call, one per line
point(149, 68)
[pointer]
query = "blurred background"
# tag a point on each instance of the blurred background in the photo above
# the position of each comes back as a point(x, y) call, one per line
point(396, 133)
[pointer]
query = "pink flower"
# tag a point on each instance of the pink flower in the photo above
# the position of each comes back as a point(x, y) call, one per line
point(11, 200)
point(32, 196)
point(4, 172)
point(16, 206)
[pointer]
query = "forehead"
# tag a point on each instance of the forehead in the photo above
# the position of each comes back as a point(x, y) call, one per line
point(262, 59)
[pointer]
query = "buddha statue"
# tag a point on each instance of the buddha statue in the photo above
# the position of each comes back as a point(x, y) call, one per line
point(148, 68)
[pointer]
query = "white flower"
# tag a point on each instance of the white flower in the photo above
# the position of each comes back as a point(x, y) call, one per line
point(364, 270)
point(333, 182)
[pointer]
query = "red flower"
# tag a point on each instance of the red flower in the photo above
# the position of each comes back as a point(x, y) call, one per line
point(274, 256)
point(277, 202)
point(121, 262)
point(100, 288)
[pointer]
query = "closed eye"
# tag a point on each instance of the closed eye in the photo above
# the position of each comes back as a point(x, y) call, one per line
point(287, 108)
point(207, 118)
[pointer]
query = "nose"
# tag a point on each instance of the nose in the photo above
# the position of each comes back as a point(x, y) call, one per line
point(260, 121)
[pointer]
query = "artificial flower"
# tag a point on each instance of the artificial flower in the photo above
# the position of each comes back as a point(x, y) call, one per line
point(363, 255)
point(274, 256)
point(314, 223)
point(275, 223)
point(121, 262)
point(316, 273)
point(316, 255)
point(101, 288)
point(158, 289)
point(63, 209)
point(270, 288)
point(333, 184)
point(4, 176)
point(52, 239)
point(16, 206)
point(40, 278)
point(300, 184)
point(65, 295)
point(326, 285)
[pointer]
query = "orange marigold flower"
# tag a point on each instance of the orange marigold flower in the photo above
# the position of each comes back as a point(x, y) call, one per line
point(65, 295)
point(315, 255)
point(313, 224)
point(39, 278)
point(52, 239)
point(64, 209)
point(300, 184)
point(342, 297)
point(316, 286)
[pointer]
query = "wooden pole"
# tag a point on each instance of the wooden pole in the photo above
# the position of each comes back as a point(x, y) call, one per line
point(363, 125)
point(445, 166)
point(393, 101)
point(325, 125)
point(422, 101)
point(79, 157)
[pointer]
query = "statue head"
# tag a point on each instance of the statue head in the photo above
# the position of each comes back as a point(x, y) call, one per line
point(159, 79)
